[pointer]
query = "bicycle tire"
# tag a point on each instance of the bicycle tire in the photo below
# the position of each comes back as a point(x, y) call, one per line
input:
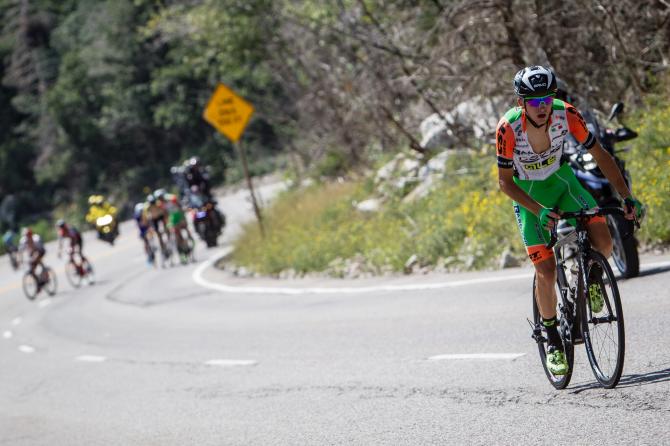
point(624, 253)
point(558, 381)
point(30, 286)
point(72, 274)
point(592, 328)
point(89, 272)
point(52, 285)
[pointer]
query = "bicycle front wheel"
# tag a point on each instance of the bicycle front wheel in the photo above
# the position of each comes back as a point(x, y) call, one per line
point(52, 284)
point(89, 273)
point(558, 381)
point(72, 274)
point(602, 321)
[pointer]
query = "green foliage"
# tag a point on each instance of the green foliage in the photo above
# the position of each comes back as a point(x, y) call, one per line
point(649, 164)
point(466, 219)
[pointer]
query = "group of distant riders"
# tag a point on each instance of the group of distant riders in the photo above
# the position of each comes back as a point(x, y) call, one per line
point(162, 215)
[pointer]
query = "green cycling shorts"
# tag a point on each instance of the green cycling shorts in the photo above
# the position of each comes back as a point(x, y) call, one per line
point(562, 189)
point(176, 218)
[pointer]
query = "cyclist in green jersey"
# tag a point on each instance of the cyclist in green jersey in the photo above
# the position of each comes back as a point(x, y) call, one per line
point(177, 219)
point(529, 145)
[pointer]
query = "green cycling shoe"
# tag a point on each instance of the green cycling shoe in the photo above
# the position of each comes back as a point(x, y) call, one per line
point(557, 363)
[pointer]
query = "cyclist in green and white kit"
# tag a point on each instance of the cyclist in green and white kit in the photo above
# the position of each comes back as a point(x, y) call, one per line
point(529, 145)
point(177, 221)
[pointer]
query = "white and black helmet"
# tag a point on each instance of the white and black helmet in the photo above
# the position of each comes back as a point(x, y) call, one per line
point(534, 81)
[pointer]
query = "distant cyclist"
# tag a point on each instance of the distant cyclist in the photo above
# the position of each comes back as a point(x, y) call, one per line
point(9, 242)
point(144, 227)
point(529, 143)
point(31, 244)
point(71, 233)
point(156, 216)
point(177, 219)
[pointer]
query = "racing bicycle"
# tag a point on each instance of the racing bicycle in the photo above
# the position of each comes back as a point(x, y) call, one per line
point(35, 282)
point(77, 272)
point(581, 274)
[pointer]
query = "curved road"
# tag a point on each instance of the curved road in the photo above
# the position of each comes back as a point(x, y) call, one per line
point(189, 355)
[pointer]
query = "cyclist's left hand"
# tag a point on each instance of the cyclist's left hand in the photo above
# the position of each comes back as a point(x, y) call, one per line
point(633, 208)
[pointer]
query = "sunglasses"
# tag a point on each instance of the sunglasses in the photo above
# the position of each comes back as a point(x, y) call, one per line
point(536, 102)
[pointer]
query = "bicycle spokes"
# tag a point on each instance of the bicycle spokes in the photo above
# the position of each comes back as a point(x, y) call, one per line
point(603, 323)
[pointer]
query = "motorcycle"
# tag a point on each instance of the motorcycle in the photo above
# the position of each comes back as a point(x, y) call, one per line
point(625, 245)
point(207, 220)
point(107, 228)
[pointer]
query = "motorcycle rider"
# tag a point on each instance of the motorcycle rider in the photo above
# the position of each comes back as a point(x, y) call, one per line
point(196, 175)
point(99, 207)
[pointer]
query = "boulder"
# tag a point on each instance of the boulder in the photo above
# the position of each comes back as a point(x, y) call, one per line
point(477, 117)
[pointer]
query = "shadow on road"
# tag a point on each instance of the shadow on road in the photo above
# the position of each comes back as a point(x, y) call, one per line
point(651, 272)
point(634, 380)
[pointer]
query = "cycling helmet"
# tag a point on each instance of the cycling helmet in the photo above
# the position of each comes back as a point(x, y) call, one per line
point(26, 232)
point(535, 81)
point(151, 199)
point(160, 194)
point(139, 208)
point(60, 223)
point(194, 161)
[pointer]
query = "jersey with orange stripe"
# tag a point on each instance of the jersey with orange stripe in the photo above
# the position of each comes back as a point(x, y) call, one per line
point(514, 150)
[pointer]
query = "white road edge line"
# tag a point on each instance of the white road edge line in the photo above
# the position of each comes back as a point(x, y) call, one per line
point(44, 303)
point(26, 349)
point(7, 334)
point(231, 362)
point(91, 358)
point(200, 280)
point(476, 356)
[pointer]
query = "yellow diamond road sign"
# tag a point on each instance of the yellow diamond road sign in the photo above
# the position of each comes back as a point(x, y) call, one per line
point(228, 112)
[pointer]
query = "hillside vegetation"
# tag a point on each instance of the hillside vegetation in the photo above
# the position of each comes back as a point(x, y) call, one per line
point(465, 223)
point(103, 96)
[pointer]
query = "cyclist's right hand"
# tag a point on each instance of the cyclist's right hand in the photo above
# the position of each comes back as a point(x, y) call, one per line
point(634, 208)
point(548, 218)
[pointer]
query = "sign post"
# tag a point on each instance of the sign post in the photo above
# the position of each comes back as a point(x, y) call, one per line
point(229, 114)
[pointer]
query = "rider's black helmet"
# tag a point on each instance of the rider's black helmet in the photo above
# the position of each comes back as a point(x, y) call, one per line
point(60, 223)
point(535, 81)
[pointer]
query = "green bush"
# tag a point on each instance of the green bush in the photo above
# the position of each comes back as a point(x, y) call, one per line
point(465, 218)
point(649, 164)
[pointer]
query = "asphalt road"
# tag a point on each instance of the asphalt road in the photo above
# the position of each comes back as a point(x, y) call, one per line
point(190, 356)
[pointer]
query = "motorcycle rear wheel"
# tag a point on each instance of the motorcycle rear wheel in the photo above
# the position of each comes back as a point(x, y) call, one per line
point(624, 249)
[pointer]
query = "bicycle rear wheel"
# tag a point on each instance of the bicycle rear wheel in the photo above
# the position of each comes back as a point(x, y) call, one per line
point(72, 274)
point(603, 331)
point(558, 381)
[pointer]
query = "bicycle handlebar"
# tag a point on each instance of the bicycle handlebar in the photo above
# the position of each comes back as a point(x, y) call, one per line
point(584, 213)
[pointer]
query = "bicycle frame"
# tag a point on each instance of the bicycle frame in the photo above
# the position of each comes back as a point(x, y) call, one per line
point(580, 235)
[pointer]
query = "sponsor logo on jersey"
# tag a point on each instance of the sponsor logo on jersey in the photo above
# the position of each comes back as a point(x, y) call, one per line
point(540, 164)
